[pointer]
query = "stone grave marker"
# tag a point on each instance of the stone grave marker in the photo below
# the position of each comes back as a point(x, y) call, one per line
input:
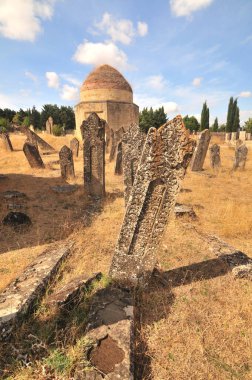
point(132, 146)
point(34, 139)
point(93, 134)
point(6, 142)
point(234, 136)
point(74, 146)
point(49, 125)
point(165, 157)
point(118, 167)
point(32, 154)
point(117, 138)
point(215, 160)
point(66, 163)
point(108, 135)
point(201, 151)
point(241, 153)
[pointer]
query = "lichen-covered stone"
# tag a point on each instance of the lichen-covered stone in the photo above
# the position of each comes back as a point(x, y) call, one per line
point(201, 151)
point(93, 134)
point(66, 163)
point(6, 142)
point(33, 138)
point(215, 160)
point(132, 146)
point(165, 157)
point(118, 166)
point(74, 146)
point(116, 139)
point(241, 153)
point(49, 125)
point(32, 154)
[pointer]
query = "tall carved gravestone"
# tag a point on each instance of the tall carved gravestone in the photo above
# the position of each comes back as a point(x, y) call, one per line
point(215, 160)
point(132, 146)
point(165, 157)
point(117, 138)
point(93, 134)
point(6, 142)
point(66, 163)
point(108, 133)
point(118, 166)
point(49, 125)
point(201, 151)
point(241, 153)
point(32, 154)
point(74, 146)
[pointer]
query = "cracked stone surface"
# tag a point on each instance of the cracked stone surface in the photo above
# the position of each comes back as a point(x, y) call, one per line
point(21, 295)
point(165, 157)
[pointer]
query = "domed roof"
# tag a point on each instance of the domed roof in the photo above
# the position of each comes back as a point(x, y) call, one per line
point(106, 77)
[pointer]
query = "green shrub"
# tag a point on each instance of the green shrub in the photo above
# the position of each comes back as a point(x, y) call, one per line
point(57, 130)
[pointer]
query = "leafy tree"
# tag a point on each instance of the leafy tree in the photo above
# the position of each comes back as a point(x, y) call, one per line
point(191, 123)
point(26, 122)
point(222, 128)
point(17, 119)
point(35, 118)
point(236, 124)
point(215, 125)
point(233, 116)
point(67, 117)
point(248, 125)
point(204, 122)
point(149, 118)
point(57, 130)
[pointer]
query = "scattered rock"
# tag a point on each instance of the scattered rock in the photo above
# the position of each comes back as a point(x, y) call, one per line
point(64, 189)
point(184, 210)
point(10, 194)
point(16, 219)
point(183, 190)
point(243, 271)
point(14, 206)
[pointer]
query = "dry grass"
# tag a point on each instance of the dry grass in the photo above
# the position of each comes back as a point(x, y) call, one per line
point(195, 329)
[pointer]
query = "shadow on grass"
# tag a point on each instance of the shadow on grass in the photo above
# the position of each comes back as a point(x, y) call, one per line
point(155, 302)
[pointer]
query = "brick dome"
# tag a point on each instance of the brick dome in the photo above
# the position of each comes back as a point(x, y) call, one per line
point(106, 83)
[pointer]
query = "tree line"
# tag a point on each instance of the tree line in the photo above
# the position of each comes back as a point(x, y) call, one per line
point(63, 117)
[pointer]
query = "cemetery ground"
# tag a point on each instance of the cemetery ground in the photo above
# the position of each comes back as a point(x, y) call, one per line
point(196, 326)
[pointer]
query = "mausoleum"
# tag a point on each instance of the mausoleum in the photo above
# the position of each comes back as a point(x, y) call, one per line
point(106, 92)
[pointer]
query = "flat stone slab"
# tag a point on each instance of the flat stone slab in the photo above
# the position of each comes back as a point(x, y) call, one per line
point(10, 194)
point(64, 189)
point(22, 294)
point(111, 329)
point(16, 219)
point(184, 210)
point(70, 293)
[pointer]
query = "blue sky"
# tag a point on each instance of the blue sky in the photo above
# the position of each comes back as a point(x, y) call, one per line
point(176, 53)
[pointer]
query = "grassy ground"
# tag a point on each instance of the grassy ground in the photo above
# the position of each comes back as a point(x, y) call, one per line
point(194, 329)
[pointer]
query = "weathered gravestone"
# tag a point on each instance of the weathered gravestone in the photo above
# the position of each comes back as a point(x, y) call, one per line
point(165, 157)
point(118, 166)
point(49, 125)
point(66, 163)
point(132, 146)
point(93, 134)
point(34, 139)
point(32, 154)
point(215, 160)
point(74, 146)
point(241, 153)
point(201, 151)
point(228, 136)
point(243, 135)
point(108, 136)
point(6, 142)
point(116, 139)
point(234, 136)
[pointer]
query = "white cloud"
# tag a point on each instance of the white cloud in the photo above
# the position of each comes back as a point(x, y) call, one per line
point(187, 7)
point(69, 92)
point(21, 19)
point(121, 30)
point(31, 76)
point(197, 81)
point(70, 79)
point(170, 107)
point(53, 80)
point(156, 81)
point(142, 28)
point(90, 53)
point(245, 115)
point(245, 94)
point(247, 39)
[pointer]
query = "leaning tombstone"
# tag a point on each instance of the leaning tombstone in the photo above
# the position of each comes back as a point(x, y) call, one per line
point(93, 135)
point(66, 163)
point(118, 167)
point(241, 153)
point(201, 151)
point(74, 146)
point(31, 127)
point(32, 154)
point(165, 157)
point(6, 142)
point(117, 138)
point(132, 146)
point(34, 139)
point(215, 160)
